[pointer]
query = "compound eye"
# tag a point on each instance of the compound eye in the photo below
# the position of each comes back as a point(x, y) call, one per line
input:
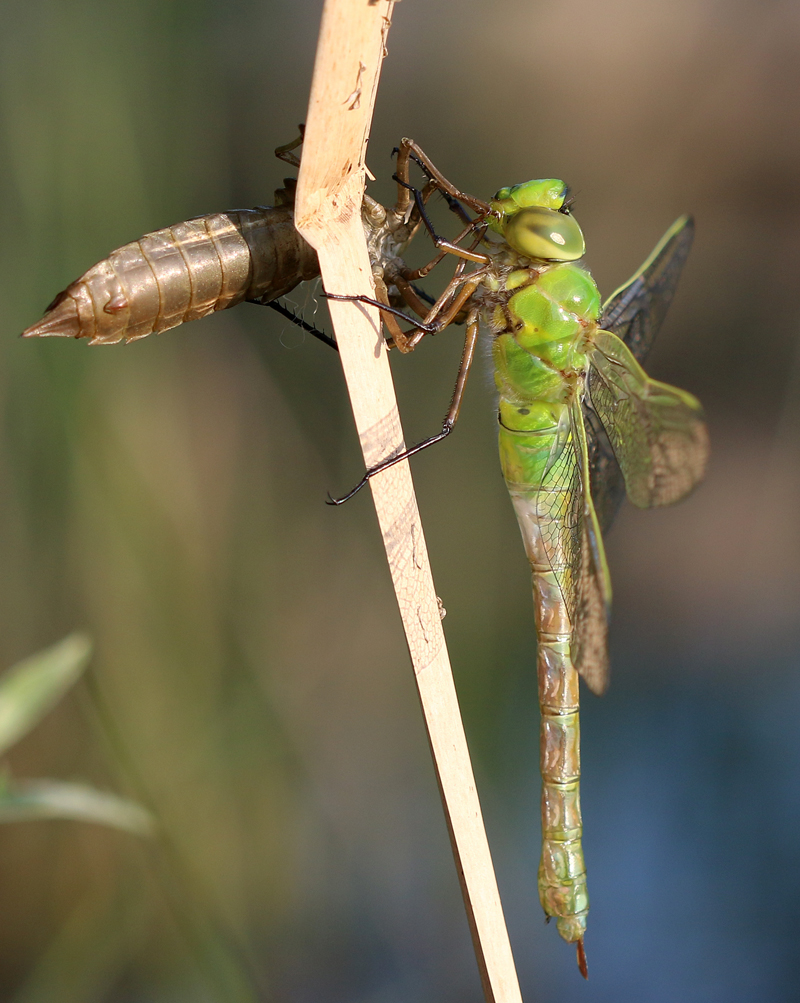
point(544, 233)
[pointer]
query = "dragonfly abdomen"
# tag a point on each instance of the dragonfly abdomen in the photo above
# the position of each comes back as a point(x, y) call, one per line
point(182, 273)
point(562, 874)
point(540, 357)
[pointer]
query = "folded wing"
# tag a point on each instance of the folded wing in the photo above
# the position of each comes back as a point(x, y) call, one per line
point(656, 430)
point(635, 312)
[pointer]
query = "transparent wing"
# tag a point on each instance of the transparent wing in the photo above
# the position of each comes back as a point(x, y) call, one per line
point(656, 431)
point(559, 514)
point(636, 310)
point(606, 480)
point(635, 313)
point(593, 599)
point(573, 547)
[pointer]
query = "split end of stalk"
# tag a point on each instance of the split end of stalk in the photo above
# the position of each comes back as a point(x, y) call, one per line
point(581, 958)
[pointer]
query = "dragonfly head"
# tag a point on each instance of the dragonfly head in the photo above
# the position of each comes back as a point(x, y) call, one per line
point(533, 219)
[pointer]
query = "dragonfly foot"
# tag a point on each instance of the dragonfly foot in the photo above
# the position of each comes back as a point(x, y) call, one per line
point(330, 500)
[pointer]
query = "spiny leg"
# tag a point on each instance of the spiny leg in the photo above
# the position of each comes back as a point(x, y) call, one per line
point(449, 248)
point(440, 242)
point(443, 303)
point(413, 296)
point(453, 203)
point(436, 182)
point(384, 308)
point(450, 419)
point(397, 336)
point(408, 148)
point(450, 303)
point(304, 325)
point(406, 341)
point(419, 213)
point(433, 322)
point(420, 273)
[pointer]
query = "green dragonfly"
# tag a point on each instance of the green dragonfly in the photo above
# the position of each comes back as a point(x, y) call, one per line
point(579, 422)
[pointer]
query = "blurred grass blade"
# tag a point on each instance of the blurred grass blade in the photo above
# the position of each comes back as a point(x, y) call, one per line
point(29, 689)
point(38, 799)
point(103, 930)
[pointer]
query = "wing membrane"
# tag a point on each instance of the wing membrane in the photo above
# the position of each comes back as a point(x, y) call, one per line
point(562, 536)
point(635, 313)
point(559, 516)
point(656, 431)
point(636, 310)
point(593, 598)
point(606, 480)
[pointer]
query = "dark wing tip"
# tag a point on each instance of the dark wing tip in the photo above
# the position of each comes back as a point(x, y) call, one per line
point(598, 683)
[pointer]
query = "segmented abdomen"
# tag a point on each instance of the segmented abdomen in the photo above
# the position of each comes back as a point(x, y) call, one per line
point(181, 273)
point(543, 508)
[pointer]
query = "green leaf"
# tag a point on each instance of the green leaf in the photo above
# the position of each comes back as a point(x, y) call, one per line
point(29, 689)
point(29, 800)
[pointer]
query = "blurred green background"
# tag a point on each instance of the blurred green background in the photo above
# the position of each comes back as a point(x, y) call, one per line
point(251, 684)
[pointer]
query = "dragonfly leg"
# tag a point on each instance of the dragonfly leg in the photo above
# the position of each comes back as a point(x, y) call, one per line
point(476, 227)
point(453, 203)
point(420, 273)
point(409, 148)
point(289, 315)
point(467, 357)
point(434, 321)
point(446, 245)
point(285, 154)
point(417, 299)
point(451, 307)
point(384, 308)
point(414, 296)
point(417, 214)
point(398, 337)
point(422, 296)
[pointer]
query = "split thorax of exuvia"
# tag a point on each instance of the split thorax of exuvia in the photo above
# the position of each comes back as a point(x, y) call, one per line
point(388, 235)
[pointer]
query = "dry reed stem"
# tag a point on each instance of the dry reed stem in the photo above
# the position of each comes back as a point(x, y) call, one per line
point(328, 214)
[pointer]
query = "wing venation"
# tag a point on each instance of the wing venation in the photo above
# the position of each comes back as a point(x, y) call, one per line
point(635, 312)
point(656, 431)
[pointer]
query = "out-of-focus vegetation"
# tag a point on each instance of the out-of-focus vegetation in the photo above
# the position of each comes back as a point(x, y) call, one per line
point(28, 691)
point(250, 682)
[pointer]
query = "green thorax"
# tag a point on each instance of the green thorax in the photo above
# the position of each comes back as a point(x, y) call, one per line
point(543, 318)
point(541, 305)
